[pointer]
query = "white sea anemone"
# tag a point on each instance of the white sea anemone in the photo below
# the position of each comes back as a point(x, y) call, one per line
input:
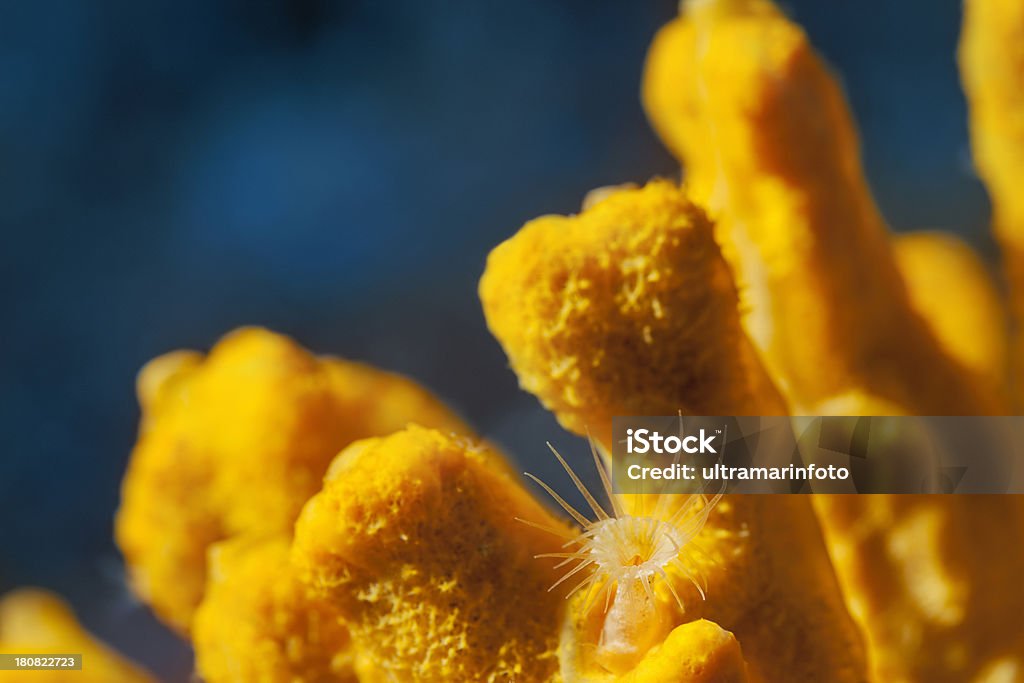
point(620, 552)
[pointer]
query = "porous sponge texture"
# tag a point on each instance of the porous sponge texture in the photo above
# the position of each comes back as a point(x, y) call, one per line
point(611, 312)
point(235, 444)
point(414, 539)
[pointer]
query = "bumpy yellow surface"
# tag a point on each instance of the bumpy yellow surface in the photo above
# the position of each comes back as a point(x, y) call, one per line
point(259, 624)
point(953, 290)
point(625, 309)
point(414, 540)
point(235, 444)
point(768, 144)
point(33, 621)
point(697, 652)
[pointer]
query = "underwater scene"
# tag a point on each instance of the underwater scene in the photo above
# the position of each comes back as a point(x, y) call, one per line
point(321, 319)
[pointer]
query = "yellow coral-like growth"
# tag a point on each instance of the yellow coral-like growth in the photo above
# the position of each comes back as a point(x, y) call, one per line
point(259, 624)
point(635, 299)
point(34, 621)
point(841, 322)
point(235, 444)
point(410, 563)
point(626, 309)
point(769, 145)
point(414, 540)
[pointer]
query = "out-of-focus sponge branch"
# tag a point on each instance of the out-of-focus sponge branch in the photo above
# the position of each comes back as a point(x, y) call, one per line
point(33, 621)
point(954, 292)
point(934, 581)
point(992, 70)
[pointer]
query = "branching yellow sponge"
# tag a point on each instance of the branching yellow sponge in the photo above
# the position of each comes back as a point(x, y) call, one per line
point(259, 624)
point(413, 539)
point(235, 444)
point(33, 621)
point(768, 144)
point(627, 308)
point(773, 150)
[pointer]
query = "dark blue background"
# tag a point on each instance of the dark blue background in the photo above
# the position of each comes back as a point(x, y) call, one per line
point(337, 171)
